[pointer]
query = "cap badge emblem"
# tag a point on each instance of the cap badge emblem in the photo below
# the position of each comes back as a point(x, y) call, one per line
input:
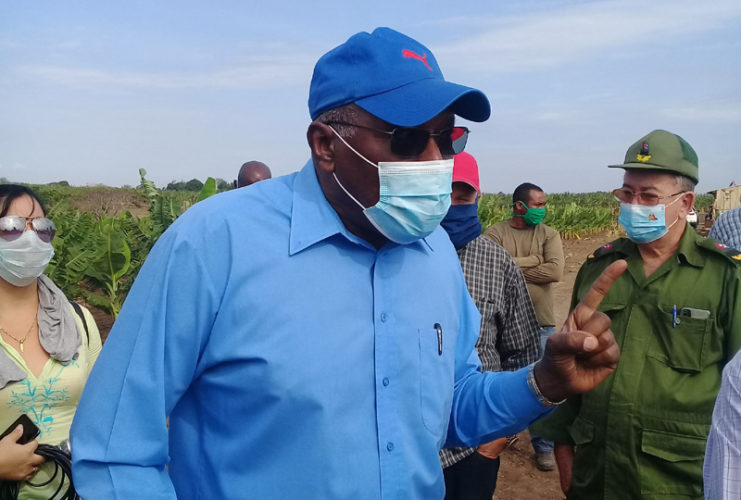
point(643, 155)
point(413, 55)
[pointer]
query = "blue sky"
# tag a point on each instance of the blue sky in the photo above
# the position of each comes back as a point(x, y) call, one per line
point(92, 91)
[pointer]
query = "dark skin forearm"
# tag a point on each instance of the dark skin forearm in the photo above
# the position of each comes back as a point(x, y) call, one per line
point(564, 454)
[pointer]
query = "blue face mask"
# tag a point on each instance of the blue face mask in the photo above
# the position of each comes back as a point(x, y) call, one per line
point(462, 224)
point(644, 223)
point(414, 197)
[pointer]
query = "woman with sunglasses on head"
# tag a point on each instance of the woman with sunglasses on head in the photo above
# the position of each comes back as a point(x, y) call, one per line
point(47, 346)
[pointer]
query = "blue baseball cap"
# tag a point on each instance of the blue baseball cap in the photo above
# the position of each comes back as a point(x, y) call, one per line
point(394, 78)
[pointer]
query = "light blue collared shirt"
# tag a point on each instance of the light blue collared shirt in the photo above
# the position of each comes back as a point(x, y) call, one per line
point(722, 470)
point(727, 228)
point(293, 359)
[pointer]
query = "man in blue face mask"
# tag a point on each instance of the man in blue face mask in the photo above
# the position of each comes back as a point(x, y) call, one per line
point(312, 336)
point(676, 313)
point(509, 330)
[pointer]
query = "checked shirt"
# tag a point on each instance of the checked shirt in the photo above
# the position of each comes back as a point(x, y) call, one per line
point(509, 331)
point(727, 229)
point(722, 475)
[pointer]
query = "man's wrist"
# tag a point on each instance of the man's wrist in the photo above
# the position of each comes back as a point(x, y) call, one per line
point(532, 384)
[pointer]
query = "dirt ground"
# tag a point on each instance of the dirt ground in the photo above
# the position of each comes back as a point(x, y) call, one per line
point(518, 477)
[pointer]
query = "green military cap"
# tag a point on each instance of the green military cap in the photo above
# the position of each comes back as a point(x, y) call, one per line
point(662, 150)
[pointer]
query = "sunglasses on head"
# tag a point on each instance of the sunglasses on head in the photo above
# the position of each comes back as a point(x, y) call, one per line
point(12, 227)
point(412, 141)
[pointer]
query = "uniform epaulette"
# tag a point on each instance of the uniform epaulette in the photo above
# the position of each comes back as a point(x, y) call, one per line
point(605, 249)
point(718, 247)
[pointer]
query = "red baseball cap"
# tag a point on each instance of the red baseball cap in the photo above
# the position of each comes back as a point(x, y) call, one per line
point(465, 169)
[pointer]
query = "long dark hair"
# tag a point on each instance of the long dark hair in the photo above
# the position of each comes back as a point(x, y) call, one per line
point(11, 192)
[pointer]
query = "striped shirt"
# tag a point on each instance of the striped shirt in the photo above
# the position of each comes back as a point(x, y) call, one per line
point(722, 472)
point(727, 229)
point(509, 331)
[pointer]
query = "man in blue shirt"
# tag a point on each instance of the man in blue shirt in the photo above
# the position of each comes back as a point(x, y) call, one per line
point(312, 336)
point(727, 228)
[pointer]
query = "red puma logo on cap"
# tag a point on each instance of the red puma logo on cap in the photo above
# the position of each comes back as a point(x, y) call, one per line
point(414, 55)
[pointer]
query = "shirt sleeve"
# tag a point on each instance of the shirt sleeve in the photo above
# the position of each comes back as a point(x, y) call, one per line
point(551, 269)
point(95, 344)
point(519, 342)
point(528, 261)
point(486, 405)
point(493, 234)
point(718, 231)
point(722, 468)
point(119, 433)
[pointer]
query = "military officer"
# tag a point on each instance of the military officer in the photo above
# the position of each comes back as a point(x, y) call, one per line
point(676, 314)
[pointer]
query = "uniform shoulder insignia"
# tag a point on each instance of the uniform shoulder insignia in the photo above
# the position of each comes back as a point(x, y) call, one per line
point(603, 250)
point(718, 247)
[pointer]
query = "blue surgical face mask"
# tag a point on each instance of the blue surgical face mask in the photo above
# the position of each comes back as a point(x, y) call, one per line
point(644, 223)
point(414, 197)
point(462, 224)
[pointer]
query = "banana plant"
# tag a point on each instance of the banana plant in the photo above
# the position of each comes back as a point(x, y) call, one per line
point(108, 263)
point(163, 208)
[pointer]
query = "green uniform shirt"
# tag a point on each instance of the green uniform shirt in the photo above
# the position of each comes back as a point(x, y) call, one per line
point(642, 432)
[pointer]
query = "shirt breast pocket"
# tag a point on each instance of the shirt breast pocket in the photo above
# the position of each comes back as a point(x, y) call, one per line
point(437, 375)
point(680, 341)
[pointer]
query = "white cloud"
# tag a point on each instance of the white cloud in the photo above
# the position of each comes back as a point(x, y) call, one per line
point(713, 113)
point(559, 36)
point(264, 71)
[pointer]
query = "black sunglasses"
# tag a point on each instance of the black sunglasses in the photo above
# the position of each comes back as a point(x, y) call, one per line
point(13, 226)
point(412, 141)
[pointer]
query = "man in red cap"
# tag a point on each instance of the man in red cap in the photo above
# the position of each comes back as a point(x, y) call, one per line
point(509, 330)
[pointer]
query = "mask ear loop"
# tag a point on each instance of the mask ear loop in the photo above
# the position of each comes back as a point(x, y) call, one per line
point(361, 156)
point(672, 203)
point(347, 192)
point(352, 148)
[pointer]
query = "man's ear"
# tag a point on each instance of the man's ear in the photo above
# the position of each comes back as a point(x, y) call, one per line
point(320, 136)
point(688, 201)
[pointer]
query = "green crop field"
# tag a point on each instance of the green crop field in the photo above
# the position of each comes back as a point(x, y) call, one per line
point(572, 214)
point(105, 234)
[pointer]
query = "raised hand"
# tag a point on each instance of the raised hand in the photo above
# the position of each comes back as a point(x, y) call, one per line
point(584, 352)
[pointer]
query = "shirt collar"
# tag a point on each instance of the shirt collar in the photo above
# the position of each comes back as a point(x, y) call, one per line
point(688, 247)
point(313, 219)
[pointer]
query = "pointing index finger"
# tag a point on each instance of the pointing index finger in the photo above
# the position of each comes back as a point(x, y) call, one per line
point(602, 285)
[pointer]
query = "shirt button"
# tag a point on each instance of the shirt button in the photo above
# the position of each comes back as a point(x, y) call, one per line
point(383, 317)
point(385, 381)
point(390, 446)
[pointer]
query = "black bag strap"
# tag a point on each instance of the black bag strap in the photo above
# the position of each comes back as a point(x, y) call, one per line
point(79, 312)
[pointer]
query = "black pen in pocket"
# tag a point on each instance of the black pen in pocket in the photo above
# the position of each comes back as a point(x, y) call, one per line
point(439, 330)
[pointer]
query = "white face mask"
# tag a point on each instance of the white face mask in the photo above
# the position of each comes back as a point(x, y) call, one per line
point(414, 197)
point(24, 259)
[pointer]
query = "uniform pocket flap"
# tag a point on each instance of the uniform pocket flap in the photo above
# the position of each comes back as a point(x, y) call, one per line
point(607, 307)
point(581, 431)
point(673, 447)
